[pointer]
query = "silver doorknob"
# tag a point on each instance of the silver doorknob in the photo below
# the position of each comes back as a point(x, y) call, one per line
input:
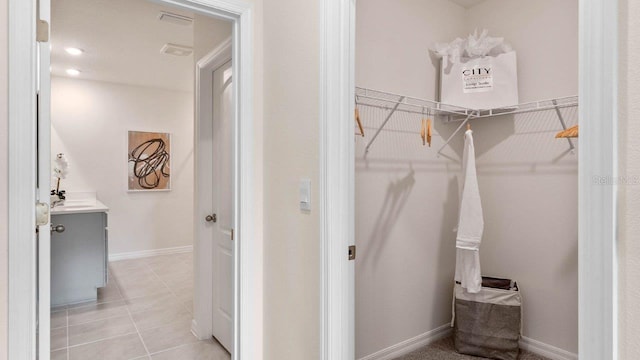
point(211, 218)
point(57, 228)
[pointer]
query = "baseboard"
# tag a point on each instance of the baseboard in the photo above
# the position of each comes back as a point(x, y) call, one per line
point(410, 345)
point(415, 343)
point(546, 350)
point(149, 253)
point(194, 329)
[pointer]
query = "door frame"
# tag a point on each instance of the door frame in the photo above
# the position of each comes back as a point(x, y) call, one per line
point(598, 295)
point(202, 325)
point(23, 267)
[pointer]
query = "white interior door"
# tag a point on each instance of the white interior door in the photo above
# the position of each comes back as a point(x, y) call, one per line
point(223, 206)
point(44, 186)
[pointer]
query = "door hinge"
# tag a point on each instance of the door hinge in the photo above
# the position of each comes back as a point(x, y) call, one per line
point(42, 31)
point(231, 234)
point(42, 214)
point(352, 252)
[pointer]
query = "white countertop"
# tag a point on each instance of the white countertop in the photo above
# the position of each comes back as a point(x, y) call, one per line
point(79, 205)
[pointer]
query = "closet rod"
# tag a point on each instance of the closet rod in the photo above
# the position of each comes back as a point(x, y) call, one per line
point(383, 107)
point(366, 150)
point(432, 106)
point(454, 134)
point(569, 101)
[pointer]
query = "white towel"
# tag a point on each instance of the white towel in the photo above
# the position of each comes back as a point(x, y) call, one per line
point(470, 223)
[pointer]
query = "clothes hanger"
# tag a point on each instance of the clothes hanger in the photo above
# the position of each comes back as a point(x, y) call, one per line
point(423, 129)
point(357, 116)
point(429, 130)
point(571, 132)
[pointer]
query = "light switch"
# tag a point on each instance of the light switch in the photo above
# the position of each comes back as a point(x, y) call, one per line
point(305, 194)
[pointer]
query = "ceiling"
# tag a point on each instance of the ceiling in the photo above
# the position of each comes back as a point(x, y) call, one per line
point(467, 3)
point(121, 40)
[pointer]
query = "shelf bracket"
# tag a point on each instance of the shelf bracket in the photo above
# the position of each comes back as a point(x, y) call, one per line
point(455, 132)
point(564, 125)
point(384, 123)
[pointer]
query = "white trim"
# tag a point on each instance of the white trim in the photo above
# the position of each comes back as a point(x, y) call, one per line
point(431, 336)
point(337, 157)
point(150, 253)
point(248, 327)
point(597, 257)
point(546, 350)
point(412, 344)
point(22, 180)
point(203, 234)
point(597, 157)
point(44, 188)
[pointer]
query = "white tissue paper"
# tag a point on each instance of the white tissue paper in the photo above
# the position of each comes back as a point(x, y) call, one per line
point(478, 72)
point(475, 45)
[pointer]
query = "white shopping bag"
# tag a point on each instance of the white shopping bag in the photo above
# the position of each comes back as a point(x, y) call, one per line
point(487, 82)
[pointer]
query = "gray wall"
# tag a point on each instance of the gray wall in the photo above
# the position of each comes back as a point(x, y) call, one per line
point(406, 198)
point(528, 182)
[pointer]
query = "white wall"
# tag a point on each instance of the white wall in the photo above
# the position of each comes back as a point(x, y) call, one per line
point(407, 198)
point(629, 211)
point(291, 245)
point(4, 236)
point(90, 120)
point(208, 33)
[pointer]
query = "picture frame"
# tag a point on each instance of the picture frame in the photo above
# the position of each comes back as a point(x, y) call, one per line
point(148, 161)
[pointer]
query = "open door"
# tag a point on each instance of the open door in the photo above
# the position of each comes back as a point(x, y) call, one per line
point(43, 183)
point(223, 247)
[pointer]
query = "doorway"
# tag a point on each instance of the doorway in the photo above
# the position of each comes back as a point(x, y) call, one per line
point(25, 322)
point(215, 248)
point(596, 207)
point(137, 106)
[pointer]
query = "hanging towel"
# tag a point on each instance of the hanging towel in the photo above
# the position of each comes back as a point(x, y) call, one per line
point(470, 223)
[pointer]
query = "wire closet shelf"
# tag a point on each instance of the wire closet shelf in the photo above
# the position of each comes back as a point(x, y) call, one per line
point(402, 103)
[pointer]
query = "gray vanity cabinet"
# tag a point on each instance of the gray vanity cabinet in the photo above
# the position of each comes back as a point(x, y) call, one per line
point(79, 257)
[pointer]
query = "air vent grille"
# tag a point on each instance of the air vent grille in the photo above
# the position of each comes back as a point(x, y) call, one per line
point(175, 18)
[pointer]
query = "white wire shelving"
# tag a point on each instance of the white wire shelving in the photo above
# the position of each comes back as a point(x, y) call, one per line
point(402, 103)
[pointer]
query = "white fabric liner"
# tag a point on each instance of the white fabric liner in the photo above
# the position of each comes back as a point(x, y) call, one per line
point(490, 296)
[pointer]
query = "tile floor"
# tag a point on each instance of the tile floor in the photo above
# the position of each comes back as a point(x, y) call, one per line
point(143, 313)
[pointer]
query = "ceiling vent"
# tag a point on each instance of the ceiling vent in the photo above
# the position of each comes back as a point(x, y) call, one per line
point(175, 18)
point(176, 50)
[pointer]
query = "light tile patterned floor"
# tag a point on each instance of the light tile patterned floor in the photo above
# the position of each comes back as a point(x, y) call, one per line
point(144, 313)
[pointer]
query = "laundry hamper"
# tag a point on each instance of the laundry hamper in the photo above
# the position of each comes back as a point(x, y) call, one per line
point(488, 323)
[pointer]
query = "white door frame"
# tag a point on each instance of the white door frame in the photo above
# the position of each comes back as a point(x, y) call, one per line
point(203, 250)
point(597, 158)
point(22, 177)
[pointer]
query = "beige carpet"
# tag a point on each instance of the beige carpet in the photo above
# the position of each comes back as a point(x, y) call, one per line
point(444, 350)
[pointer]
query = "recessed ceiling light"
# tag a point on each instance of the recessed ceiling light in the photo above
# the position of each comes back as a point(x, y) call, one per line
point(73, 51)
point(73, 72)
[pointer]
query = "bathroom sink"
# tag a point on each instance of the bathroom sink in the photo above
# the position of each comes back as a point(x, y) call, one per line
point(72, 207)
